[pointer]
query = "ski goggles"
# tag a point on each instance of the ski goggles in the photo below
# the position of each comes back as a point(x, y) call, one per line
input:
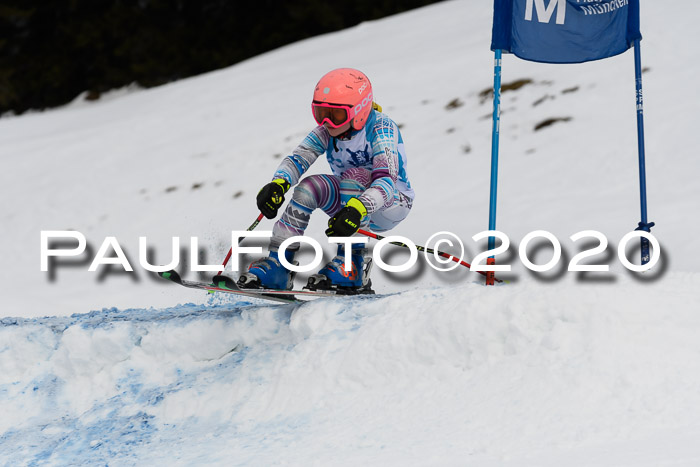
point(335, 115)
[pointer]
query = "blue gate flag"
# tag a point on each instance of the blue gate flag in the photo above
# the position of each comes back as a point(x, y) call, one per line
point(565, 31)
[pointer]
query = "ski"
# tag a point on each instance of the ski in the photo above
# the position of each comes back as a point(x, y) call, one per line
point(227, 285)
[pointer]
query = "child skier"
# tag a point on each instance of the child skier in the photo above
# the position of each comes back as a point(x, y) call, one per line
point(368, 187)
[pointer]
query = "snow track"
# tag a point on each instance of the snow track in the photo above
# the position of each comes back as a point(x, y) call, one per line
point(517, 375)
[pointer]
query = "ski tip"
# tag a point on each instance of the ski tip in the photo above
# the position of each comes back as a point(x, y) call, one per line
point(171, 275)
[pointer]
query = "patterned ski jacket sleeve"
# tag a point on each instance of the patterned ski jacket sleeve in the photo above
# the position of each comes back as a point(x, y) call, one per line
point(295, 165)
point(384, 140)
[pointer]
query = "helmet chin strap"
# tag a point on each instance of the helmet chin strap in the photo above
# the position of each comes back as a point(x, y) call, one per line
point(346, 134)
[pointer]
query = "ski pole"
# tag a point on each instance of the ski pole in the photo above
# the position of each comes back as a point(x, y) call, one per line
point(427, 250)
point(228, 256)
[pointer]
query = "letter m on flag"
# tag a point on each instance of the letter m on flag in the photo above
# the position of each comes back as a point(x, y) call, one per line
point(544, 14)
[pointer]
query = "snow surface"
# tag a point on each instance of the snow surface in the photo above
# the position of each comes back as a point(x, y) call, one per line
point(551, 369)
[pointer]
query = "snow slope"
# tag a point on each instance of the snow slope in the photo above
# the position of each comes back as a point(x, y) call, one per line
point(552, 369)
point(530, 376)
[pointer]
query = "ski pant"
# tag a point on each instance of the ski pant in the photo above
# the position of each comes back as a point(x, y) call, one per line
point(330, 193)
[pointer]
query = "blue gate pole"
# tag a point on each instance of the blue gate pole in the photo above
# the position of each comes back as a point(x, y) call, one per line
point(644, 224)
point(494, 157)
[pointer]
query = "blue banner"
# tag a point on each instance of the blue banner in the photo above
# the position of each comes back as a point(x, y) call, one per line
point(565, 31)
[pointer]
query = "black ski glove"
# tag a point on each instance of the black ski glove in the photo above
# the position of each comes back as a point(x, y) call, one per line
point(346, 222)
point(271, 197)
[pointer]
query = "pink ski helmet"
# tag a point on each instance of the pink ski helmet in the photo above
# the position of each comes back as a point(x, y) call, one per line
point(343, 95)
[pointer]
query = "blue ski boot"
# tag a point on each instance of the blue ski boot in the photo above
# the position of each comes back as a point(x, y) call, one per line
point(333, 276)
point(268, 273)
